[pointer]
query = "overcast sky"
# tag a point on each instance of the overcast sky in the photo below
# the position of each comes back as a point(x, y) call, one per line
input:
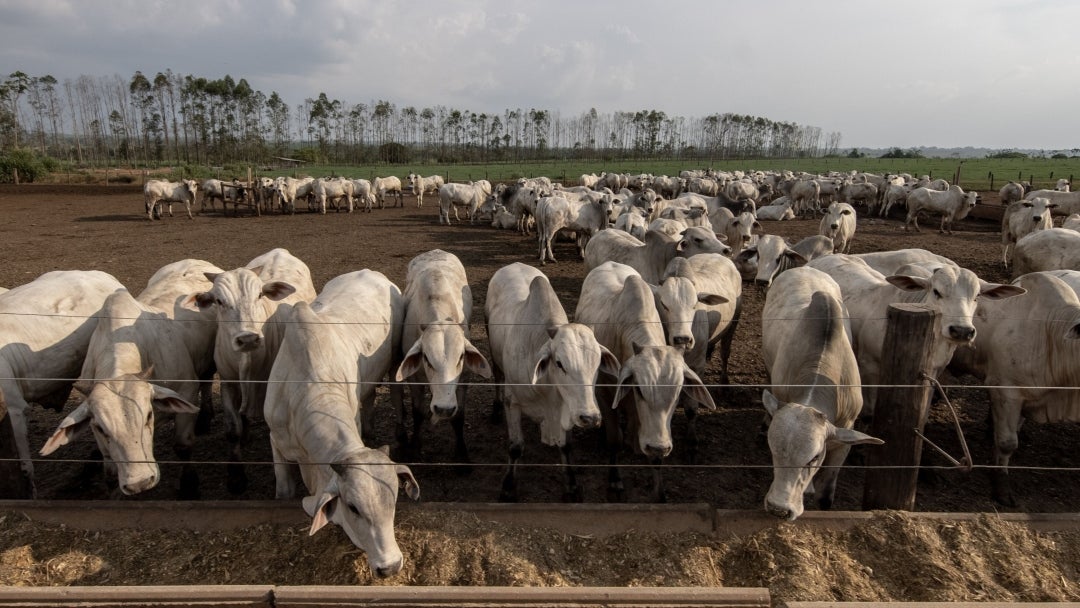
point(985, 73)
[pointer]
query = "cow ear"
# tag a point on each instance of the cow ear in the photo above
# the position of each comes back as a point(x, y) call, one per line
point(542, 364)
point(609, 363)
point(771, 403)
point(997, 291)
point(169, 401)
point(637, 348)
point(695, 389)
point(69, 428)
point(211, 276)
point(712, 299)
point(277, 290)
point(475, 361)
point(405, 476)
point(794, 257)
point(384, 448)
point(908, 283)
point(626, 380)
point(852, 437)
point(321, 510)
point(1073, 333)
point(411, 363)
point(202, 300)
point(147, 373)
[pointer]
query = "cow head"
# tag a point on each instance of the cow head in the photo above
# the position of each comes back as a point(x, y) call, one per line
point(800, 439)
point(443, 353)
point(697, 240)
point(653, 380)
point(240, 298)
point(570, 361)
point(120, 412)
point(361, 497)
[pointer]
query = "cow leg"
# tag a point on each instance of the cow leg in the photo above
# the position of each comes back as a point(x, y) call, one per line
point(659, 493)
point(187, 206)
point(206, 407)
point(690, 409)
point(726, 340)
point(16, 413)
point(572, 492)
point(231, 400)
point(1005, 411)
point(185, 440)
point(825, 480)
point(616, 491)
point(517, 448)
point(498, 412)
point(284, 475)
point(457, 422)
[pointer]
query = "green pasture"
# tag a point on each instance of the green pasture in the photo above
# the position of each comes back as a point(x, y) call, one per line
point(975, 174)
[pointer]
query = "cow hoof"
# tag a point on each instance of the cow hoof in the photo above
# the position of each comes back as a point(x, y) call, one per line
point(236, 480)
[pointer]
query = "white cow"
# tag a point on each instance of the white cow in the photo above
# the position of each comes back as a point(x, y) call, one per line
point(1068, 203)
point(633, 222)
point(737, 230)
point(779, 210)
point(435, 340)
point(322, 385)
point(470, 196)
point(772, 255)
point(216, 189)
point(1053, 249)
point(381, 186)
point(289, 190)
point(503, 219)
point(1062, 185)
point(1072, 222)
point(157, 191)
point(544, 367)
point(621, 309)
point(555, 213)
point(838, 224)
point(815, 395)
point(333, 191)
point(46, 326)
point(888, 262)
point(252, 305)
point(949, 290)
point(1026, 347)
point(1023, 218)
point(148, 353)
point(1012, 192)
point(363, 193)
point(953, 204)
point(650, 258)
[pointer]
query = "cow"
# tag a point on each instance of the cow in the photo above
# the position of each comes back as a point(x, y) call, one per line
point(46, 326)
point(700, 301)
point(1068, 203)
point(555, 213)
point(227, 192)
point(953, 204)
point(772, 255)
point(333, 191)
point(544, 366)
point(362, 192)
point(289, 190)
point(1052, 249)
point(779, 210)
point(893, 195)
point(805, 195)
point(1062, 185)
point(381, 186)
point(1072, 222)
point(157, 192)
point(435, 340)
point(1012, 192)
point(518, 200)
point(888, 262)
point(589, 180)
point(815, 398)
point(949, 290)
point(838, 224)
point(651, 256)
point(620, 308)
point(1026, 348)
point(1021, 219)
point(633, 222)
point(669, 187)
point(149, 353)
point(252, 306)
point(737, 230)
point(322, 386)
point(503, 219)
point(470, 196)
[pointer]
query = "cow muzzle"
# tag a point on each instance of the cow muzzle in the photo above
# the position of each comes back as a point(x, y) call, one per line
point(961, 333)
point(779, 511)
point(588, 421)
point(442, 412)
point(388, 570)
point(247, 341)
point(140, 485)
point(657, 451)
point(686, 342)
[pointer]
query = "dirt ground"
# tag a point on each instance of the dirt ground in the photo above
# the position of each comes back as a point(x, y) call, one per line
point(96, 227)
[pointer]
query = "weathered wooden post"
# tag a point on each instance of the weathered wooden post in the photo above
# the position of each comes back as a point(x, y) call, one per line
point(13, 483)
point(991, 176)
point(901, 408)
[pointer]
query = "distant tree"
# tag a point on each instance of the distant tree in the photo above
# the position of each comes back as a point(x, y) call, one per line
point(855, 153)
point(899, 153)
point(1059, 155)
point(1007, 154)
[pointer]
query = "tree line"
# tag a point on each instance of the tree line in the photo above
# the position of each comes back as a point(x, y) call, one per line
point(172, 118)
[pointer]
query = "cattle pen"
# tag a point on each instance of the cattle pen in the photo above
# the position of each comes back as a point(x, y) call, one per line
point(712, 536)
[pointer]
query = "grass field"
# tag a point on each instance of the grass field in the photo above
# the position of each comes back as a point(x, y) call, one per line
point(975, 174)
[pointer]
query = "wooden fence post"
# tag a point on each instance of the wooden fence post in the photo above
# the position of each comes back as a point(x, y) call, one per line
point(13, 483)
point(901, 408)
point(991, 176)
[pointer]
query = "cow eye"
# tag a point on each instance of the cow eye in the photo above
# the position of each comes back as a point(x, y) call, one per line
point(354, 510)
point(937, 294)
point(559, 365)
point(813, 460)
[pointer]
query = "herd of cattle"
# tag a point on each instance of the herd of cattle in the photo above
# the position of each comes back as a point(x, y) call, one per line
point(665, 271)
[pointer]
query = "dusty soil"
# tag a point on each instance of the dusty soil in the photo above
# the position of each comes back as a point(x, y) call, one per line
point(96, 227)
